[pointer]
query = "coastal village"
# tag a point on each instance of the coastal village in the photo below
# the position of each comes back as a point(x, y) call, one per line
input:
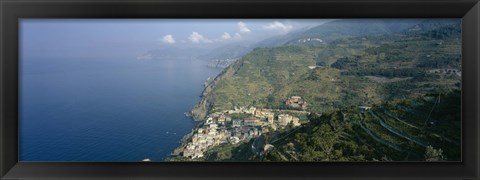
point(221, 128)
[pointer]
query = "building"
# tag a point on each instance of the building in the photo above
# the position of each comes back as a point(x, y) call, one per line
point(296, 121)
point(270, 118)
point(250, 110)
point(213, 126)
point(234, 140)
point(268, 147)
point(263, 113)
point(221, 119)
point(251, 122)
point(237, 123)
point(296, 101)
point(364, 108)
point(284, 119)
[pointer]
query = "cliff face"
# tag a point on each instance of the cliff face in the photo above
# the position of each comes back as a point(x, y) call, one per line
point(199, 112)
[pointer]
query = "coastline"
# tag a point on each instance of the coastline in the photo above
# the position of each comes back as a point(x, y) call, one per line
point(199, 111)
point(184, 140)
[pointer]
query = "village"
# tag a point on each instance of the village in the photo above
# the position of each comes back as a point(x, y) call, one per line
point(226, 126)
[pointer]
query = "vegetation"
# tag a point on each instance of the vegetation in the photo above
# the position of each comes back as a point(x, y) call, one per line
point(411, 77)
point(378, 134)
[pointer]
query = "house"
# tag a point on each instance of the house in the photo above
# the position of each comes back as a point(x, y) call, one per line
point(234, 140)
point(198, 154)
point(258, 113)
point(364, 108)
point(237, 123)
point(284, 119)
point(194, 139)
point(251, 121)
point(268, 147)
point(213, 126)
point(263, 113)
point(295, 121)
point(270, 118)
point(221, 119)
point(250, 110)
point(187, 153)
point(296, 101)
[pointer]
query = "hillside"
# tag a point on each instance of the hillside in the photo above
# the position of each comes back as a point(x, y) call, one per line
point(351, 71)
point(344, 28)
point(399, 130)
point(387, 96)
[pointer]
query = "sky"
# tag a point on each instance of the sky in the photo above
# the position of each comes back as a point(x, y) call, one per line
point(131, 37)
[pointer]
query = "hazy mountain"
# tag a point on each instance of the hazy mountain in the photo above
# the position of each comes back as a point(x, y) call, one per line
point(343, 28)
point(229, 51)
point(173, 52)
point(318, 35)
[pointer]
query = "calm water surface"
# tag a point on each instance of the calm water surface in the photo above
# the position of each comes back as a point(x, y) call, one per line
point(97, 109)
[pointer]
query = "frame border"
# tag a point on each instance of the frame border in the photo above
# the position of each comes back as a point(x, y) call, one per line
point(12, 10)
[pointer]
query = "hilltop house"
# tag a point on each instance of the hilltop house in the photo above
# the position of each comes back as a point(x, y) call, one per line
point(296, 101)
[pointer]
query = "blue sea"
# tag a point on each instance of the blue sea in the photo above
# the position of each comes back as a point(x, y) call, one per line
point(106, 109)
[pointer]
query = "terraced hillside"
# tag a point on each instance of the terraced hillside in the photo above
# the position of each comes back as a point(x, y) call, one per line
point(391, 131)
point(394, 95)
point(363, 70)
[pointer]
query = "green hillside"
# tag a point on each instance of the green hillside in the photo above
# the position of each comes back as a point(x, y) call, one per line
point(410, 78)
point(351, 71)
point(343, 28)
point(395, 131)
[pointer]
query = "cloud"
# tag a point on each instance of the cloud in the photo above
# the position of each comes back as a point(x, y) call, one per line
point(242, 28)
point(278, 26)
point(196, 37)
point(168, 39)
point(237, 36)
point(226, 36)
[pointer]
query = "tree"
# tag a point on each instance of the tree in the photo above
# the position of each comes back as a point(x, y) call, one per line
point(324, 139)
point(432, 154)
point(321, 63)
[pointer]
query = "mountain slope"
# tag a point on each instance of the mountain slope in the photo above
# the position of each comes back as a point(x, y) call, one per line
point(359, 70)
point(344, 28)
point(398, 131)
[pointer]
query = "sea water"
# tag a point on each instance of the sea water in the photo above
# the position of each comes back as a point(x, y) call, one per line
point(105, 109)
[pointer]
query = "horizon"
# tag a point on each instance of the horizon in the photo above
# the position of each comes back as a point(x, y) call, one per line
point(131, 37)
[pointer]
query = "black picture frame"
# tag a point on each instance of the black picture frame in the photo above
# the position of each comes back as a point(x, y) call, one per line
point(12, 10)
